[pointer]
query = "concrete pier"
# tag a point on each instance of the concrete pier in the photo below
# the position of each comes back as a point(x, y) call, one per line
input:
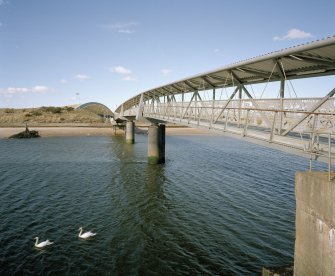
point(156, 144)
point(130, 132)
point(314, 252)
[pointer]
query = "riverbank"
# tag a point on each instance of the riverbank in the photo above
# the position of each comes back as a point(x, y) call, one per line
point(62, 131)
point(6, 132)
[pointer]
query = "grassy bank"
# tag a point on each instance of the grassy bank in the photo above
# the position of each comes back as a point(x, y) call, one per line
point(49, 116)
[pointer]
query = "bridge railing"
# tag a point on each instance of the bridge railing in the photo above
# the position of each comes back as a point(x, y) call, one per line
point(281, 116)
point(289, 122)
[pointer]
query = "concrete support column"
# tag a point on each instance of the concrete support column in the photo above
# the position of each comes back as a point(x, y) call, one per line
point(314, 252)
point(130, 132)
point(239, 105)
point(213, 105)
point(282, 95)
point(156, 144)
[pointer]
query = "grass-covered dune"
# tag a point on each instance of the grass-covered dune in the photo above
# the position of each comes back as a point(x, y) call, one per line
point(49, 114)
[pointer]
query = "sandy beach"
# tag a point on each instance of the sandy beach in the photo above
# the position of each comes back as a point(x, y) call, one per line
point(6, 132)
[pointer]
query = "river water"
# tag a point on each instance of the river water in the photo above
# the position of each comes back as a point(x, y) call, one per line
point(218, 206)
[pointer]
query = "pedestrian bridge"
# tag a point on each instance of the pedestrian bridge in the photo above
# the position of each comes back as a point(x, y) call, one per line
point(224, 99)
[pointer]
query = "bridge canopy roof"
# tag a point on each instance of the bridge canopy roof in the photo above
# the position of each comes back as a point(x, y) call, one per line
point(313, 59)
point(97, 108)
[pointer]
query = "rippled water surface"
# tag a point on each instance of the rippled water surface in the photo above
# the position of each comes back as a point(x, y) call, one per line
point(218, 206)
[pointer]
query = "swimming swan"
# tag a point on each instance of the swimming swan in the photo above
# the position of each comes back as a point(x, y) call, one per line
point(86, 234)
point(42, 244)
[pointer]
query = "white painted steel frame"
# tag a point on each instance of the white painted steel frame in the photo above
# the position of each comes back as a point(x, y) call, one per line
point(265, 119)
point(304, 61)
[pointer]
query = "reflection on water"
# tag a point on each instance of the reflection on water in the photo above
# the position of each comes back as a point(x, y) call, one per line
point(218, 206)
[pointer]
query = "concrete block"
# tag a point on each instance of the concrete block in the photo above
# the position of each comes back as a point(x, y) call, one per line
point(314, 252)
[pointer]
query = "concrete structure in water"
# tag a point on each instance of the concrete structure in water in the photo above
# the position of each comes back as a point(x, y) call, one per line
point(130, 132)
point(156, 144)
point(315, 224)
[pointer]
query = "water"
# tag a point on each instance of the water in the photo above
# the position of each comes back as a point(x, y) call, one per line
point(219, 206)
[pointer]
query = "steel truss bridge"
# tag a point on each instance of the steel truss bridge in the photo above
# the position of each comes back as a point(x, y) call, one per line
point(303, 123)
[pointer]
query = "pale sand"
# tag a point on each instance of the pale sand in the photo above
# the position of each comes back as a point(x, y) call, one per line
point(5, 132)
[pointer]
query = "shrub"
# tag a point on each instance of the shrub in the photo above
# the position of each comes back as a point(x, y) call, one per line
point(57, 110)
point(68, 108)
point(9, 110)
point(35, 113)
point(52, 109)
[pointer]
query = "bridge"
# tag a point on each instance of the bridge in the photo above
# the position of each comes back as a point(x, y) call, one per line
point(97, 108)
point(224, 100)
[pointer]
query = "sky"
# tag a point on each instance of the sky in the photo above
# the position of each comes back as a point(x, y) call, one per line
point(64, 52)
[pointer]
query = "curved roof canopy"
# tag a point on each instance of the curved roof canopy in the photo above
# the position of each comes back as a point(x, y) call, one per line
point(313, 59)
point(97, 108)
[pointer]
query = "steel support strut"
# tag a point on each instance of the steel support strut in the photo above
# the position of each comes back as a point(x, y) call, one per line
point(315, 107)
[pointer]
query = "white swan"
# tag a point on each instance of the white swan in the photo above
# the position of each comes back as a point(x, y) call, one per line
point(86, 234)
point(42, 244)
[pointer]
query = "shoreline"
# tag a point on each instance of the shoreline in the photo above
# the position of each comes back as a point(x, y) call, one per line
point(73, 131)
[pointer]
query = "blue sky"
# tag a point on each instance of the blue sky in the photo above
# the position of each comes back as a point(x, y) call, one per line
point(75, 51)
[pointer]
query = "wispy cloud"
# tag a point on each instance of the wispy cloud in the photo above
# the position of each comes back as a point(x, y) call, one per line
point(166, 72)
point(125, 72)
point(129, 78)
point(293, 34)
point(63, 81)
point(122, 28)
point(23, 90)
point(14, 90)
point(3, 2)
point(40, 89)
point(120, 70)
point(82, 77)
point(125, 31)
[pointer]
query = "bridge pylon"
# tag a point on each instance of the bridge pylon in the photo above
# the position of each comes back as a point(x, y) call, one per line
point(130, 132)
point(156, 144)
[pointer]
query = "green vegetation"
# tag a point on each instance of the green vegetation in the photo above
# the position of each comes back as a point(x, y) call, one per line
point(69, 108)
point(9, 110)
point(52, 109)
point(48, 114)
point(34, 113)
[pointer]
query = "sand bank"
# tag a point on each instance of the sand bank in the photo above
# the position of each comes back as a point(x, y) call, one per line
point(59, 131)
point(5, 132)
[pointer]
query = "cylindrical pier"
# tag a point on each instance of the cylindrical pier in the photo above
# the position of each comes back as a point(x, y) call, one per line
point(130, 132)
point(156, 144)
